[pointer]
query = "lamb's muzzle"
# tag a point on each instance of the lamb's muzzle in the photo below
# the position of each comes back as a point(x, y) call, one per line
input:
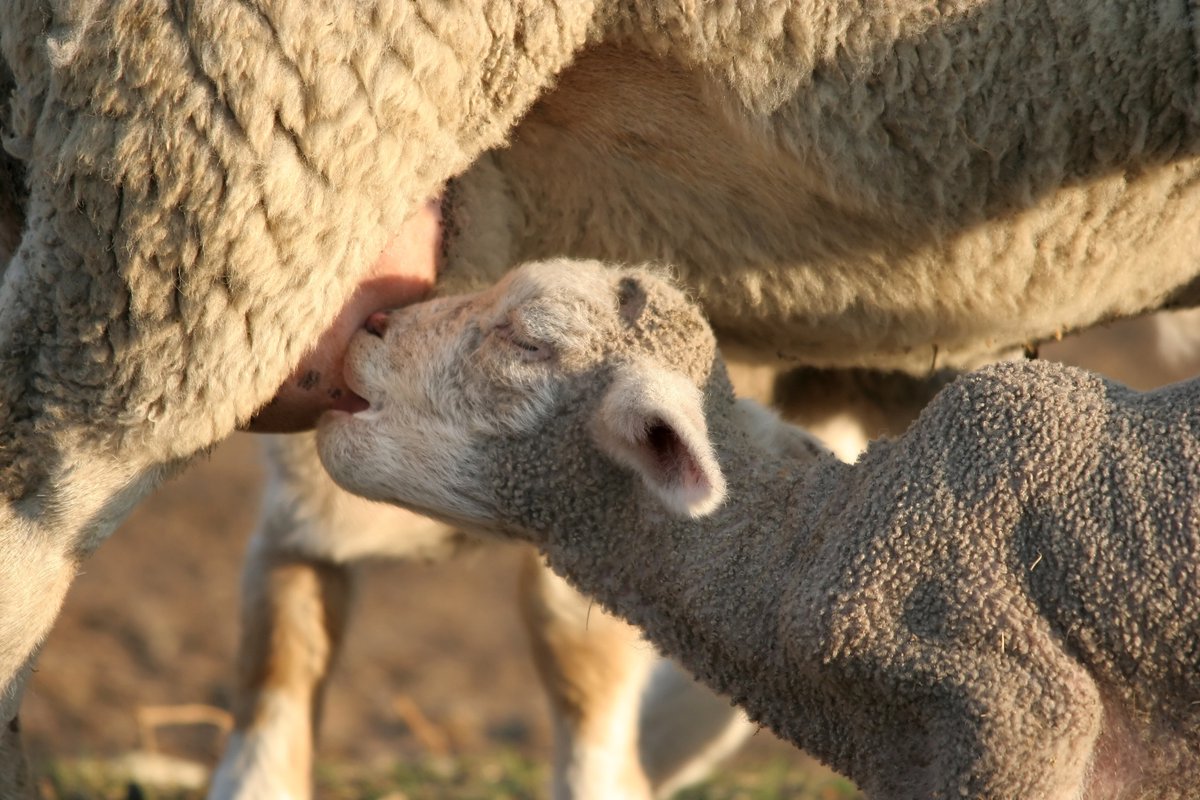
point(445, 376)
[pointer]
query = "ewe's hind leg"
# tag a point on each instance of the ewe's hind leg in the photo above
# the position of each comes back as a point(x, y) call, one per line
point(34, 578)
point(593, 667)
point(685, 729)
point(297, 587)
point(627, 722)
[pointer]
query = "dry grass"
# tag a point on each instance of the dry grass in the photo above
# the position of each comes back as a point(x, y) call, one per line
point(503, 777)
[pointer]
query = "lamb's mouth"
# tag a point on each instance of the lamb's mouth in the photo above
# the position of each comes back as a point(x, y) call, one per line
point(346, 399)
point(353, 398)
point(447, 203)
point(349, 402)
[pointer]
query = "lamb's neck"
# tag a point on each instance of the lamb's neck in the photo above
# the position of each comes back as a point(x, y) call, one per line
point(708, 591)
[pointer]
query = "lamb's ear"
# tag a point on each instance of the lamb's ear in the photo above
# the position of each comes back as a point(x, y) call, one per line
point(652, 420)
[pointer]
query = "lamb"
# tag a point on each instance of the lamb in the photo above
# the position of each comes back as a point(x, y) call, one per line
point(1003, 602)
point(202, 184)
point(626, 722)
point(299, 577)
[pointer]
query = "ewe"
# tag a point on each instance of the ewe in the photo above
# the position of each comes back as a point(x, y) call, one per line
point(201, 185)
point(1003, 602)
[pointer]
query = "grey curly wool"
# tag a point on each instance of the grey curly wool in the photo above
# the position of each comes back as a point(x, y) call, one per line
point(843, 183)
point(1004, 602)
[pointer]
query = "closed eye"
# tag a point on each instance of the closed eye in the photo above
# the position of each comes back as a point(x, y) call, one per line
point(527, 346)
point(531, 350)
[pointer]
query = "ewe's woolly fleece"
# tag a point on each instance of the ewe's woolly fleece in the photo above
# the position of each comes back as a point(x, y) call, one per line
point(207, 182)
point(965, 608)
point(877, 183)
point(208, 179)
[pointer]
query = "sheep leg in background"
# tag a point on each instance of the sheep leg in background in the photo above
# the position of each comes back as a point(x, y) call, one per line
point(311, 529)
point(297, 584)
point(593, 668)
point(685, 729)
point(293, 616)
point(846, 408)
point(36, 570)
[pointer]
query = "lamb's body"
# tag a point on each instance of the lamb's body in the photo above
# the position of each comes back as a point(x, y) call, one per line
point(1027, 553)
point(1004, 602)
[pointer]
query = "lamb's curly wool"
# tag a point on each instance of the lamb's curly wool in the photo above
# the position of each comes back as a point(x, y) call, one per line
point(207, 181)
point(1003, 602)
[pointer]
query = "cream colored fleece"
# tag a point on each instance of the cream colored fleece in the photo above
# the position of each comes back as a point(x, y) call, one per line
point(207, 180)
point(879, 184)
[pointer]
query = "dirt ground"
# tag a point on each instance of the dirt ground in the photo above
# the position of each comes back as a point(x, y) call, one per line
point(152, 621)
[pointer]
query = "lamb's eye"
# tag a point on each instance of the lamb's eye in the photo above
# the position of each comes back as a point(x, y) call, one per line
point(530, 350)
point(528, 347)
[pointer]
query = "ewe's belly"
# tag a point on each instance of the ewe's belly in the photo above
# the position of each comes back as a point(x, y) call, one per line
point(835, 245)
point(1087, 254)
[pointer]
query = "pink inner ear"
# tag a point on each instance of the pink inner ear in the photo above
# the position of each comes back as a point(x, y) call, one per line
point(671, 456)
point(693, 475)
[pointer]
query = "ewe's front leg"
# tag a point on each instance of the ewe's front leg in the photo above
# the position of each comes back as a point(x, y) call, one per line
point(628, 723)
point(34, 578)
point(298, 583)
point(15, 781)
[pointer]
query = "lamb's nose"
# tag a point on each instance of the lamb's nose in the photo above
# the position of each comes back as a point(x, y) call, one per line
point(377, 323)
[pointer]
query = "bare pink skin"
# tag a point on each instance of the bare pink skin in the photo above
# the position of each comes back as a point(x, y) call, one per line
point(404, 273)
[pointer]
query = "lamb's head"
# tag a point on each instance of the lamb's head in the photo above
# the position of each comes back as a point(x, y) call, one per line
point(566, 376)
